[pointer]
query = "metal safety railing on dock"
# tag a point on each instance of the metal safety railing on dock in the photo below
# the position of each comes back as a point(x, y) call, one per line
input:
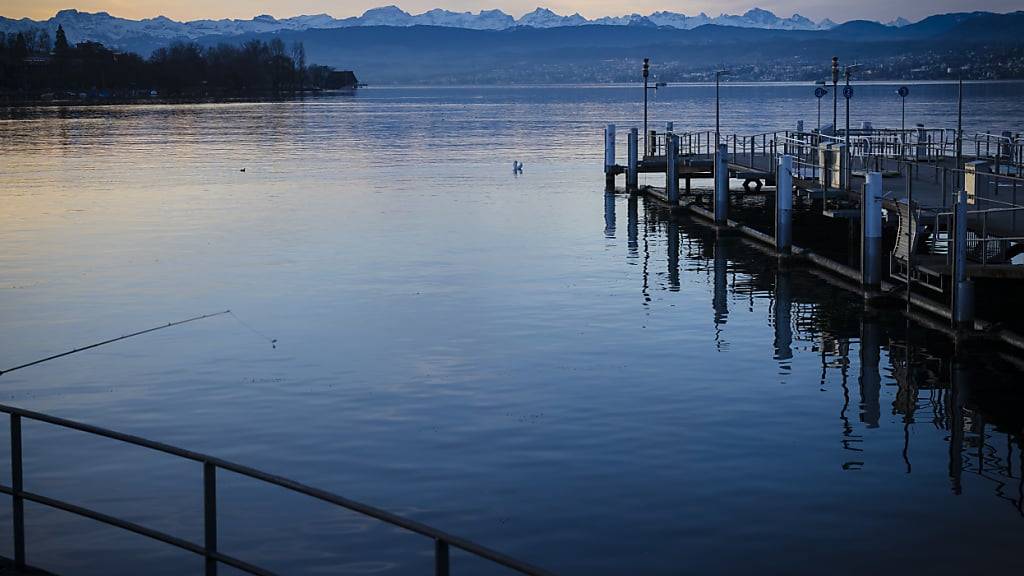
point(209, 550)
point(982, 248)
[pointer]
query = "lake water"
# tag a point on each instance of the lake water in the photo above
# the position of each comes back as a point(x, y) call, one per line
point(572, 379)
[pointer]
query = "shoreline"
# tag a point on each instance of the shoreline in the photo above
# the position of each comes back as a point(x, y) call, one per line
point(162, 101)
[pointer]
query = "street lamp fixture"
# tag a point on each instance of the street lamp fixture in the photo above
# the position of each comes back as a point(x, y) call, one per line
point(820, 91)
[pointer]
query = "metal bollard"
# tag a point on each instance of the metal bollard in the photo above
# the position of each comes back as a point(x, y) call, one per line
point(784, 206)
point(632, 171)
point(672, 168)
point(722, 184)
point(871, 232)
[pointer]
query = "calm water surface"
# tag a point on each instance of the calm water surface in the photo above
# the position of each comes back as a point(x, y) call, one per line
point(576, 380)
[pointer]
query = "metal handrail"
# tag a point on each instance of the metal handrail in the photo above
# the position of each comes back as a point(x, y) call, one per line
point(442, 540)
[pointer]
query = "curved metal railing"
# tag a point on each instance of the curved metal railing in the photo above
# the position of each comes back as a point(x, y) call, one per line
point(213, 557)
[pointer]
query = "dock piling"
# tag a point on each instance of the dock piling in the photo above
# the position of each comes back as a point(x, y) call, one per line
point(672, 168)
point(722, 185)
point(871, 232)
point(963, 288)
point(784, 206)
point(609, 157)
point(632, 175)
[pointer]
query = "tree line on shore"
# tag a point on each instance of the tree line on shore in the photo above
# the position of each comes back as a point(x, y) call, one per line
point(31, 66)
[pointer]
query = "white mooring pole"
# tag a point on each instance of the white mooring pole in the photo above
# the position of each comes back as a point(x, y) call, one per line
point(871, 232)
point(609, 157)
point(722, 185)
point(784, 206)
point(632, 175)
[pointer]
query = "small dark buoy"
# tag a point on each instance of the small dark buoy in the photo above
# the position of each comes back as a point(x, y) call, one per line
point(242, 170)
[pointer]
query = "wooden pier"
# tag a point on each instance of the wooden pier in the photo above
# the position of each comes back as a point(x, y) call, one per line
point(953, 205)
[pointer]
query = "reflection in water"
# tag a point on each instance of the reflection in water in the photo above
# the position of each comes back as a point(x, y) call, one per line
point(783, 313)
point(720, 298)
point(609, 215)
point(920, 378)
point(672, 242)
point(632, 225)
point(955, 409)
point(870, 378)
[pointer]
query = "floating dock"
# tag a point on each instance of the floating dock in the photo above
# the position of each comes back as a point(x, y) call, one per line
point(936, 211)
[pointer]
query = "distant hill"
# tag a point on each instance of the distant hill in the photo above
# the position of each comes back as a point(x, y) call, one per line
point(989, 45)
point(388, 45)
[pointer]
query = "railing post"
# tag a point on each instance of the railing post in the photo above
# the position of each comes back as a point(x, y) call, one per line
point(210, 516)
point(441, 564)
point(17, 484)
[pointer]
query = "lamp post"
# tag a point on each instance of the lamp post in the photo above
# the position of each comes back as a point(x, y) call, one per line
point(848, 94)
point(835, 92)
point(903, 93)
point(960, 123)
point(819, 92)
point(718, 80)
point(647, 73)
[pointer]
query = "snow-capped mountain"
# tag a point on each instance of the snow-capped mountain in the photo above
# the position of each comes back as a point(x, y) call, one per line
point(544, 18)
point(111, 30)
point(681, 21)
point(758, 18)
point(630, 20)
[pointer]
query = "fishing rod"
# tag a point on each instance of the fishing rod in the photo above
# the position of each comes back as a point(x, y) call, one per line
point(118, 339)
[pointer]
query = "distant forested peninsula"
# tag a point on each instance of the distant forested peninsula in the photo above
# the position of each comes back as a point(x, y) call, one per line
point(35, 69)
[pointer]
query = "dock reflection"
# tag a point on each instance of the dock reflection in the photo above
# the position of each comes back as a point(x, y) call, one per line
point(970, 402)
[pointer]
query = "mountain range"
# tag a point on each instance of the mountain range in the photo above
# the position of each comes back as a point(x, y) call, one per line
point(387, 45)
point(119, 32)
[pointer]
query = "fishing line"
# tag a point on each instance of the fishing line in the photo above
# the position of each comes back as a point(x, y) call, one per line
point(118, 339)
point(273, 341)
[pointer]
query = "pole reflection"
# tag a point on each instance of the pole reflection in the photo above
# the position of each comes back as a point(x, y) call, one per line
point(632, 225)
point(720, 282)
point(783, 313)
point(609, 215)
point(932, 391)
point(870, 380)
point(672, 237)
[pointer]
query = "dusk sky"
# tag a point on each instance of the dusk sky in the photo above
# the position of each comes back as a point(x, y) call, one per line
point(196, 9)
